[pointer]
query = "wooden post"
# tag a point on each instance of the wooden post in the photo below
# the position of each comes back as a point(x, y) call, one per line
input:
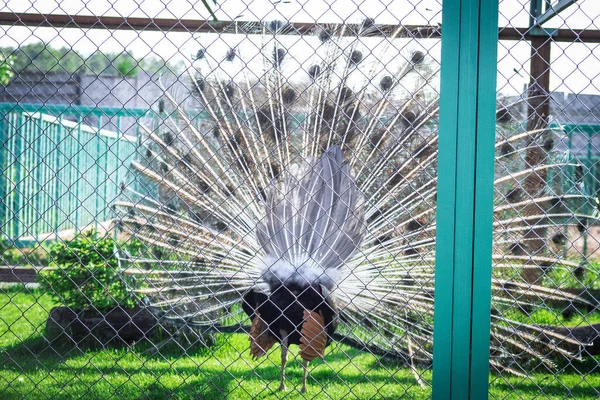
point(537, 118)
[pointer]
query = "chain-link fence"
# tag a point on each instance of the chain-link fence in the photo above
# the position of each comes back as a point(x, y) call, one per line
point(553, 66)
point(239, 200)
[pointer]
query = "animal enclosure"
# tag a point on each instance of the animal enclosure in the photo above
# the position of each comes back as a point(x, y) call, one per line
point(286, 200)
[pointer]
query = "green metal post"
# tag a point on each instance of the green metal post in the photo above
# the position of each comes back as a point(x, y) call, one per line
point(25, 159)
point(18, 186)
point(98, 139)
point(58, 199)
point(118, 157)
point(591, 164)
point(38, 147)
point(46, 179)
point(30, 151)
point(118, 160)
point(136, 149)
point(465, 200)
point(4, 177)
point(535, 10)
point(588, 189)
point(105, 149)
point(78, 186)
point(11, 118)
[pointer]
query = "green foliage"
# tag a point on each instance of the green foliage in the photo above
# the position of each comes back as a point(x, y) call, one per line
point(38, 57)
point(10, 255)
point(586, 276)
point(127, 66)
point(87, 274)
point(41, 57)
point(6, 68)
point(552, 316)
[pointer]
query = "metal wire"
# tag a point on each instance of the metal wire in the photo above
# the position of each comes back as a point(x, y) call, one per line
point(160, 173)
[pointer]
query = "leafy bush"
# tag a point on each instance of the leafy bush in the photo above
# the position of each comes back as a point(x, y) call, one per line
point(10, 255)
point(6, 68)
point(87, 274)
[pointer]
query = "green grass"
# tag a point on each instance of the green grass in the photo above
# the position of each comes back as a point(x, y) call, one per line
point(30, 369)
point(565, 278)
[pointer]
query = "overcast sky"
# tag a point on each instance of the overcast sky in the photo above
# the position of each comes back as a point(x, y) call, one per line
point(575, 68)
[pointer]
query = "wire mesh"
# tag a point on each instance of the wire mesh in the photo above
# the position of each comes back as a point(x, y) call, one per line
point(560, 102)
point(201, 203)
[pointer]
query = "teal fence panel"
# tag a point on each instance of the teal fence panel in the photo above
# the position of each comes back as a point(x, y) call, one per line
point(582, 172)
point(585, 154)
point(58, 173)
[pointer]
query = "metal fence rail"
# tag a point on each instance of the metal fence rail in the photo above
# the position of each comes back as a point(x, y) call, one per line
point(59, 174)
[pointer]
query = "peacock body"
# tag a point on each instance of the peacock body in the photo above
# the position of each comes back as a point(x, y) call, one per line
point(303, 187)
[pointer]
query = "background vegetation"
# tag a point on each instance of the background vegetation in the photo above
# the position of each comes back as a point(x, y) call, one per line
point(41, 57)
point(6, 68)
point(87, 274)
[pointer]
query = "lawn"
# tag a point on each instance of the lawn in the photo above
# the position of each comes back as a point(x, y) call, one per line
point(31, 369)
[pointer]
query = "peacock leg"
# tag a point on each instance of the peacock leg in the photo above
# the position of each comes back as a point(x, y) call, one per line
point(284, 350)
point(305, 368)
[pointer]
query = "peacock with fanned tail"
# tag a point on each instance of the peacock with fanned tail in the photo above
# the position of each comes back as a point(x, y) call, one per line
point(303, 188)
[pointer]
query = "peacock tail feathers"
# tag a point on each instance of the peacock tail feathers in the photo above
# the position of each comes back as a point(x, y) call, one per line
point(227, 177)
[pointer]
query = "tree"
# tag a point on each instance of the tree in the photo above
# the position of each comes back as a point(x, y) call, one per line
point(43, 58)
point(6, 68)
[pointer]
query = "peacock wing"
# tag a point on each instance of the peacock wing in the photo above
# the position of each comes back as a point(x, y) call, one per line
point(313, 338)
point(260, 338)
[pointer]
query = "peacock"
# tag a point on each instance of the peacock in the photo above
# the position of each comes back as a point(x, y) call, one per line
point(294, 184)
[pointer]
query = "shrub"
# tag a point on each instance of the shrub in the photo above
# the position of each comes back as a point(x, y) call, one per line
point(10, 255)
point(87, 274)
